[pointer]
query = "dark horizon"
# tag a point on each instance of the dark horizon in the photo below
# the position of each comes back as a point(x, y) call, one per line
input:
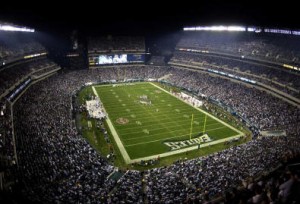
point(125, 18)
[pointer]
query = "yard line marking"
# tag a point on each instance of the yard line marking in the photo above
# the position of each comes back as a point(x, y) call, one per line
point(165, 138)
point(161, 111)
point(217, 119)
point(145, 126)
point(134, 127)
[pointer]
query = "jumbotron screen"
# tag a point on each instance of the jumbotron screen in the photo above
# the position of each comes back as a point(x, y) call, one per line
point(116, 59)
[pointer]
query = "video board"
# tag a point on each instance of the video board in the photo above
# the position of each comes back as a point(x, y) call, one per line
point(116, 59)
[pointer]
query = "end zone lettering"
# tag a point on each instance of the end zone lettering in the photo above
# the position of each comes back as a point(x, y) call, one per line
point(186, 143)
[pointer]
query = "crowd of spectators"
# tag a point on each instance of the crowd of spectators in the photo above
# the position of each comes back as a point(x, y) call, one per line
point(157, 60)
point(275, 48)
point(11, 76)
point(116, 44)
point(260, 109)
point(14, 46)
point(281, 186)
point(129, 189)
point(66, 167)
point(278, 78)
point(48, 68)
point(202, 179)
point(57, 165)
point(6, 137)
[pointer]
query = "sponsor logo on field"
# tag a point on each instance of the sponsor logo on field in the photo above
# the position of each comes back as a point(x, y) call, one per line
point(176, 145)
point(122, 121)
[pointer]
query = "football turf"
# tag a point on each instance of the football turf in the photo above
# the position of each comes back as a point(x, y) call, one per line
point(143, 128)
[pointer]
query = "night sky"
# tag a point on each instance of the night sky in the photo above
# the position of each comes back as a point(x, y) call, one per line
point(130, 17)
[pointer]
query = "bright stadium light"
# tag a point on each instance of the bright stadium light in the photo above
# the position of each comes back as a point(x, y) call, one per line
point(279, 31)
point(254, 29)
point(216, 28)
point(249, 29)
point(189, 29)
point(236, 28)
point(15, 28)
point(295, 32)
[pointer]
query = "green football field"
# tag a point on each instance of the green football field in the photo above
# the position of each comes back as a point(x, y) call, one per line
point(144, 131)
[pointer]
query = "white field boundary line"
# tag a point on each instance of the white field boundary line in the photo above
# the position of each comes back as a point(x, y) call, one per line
point(184, 150)
point(161, 136)
point(161, 110)
point(164, 117)
point(160, 114)
point(115, 135)
point(217, 119)
point(166, 138)
point(120, 84)
point(154, 129)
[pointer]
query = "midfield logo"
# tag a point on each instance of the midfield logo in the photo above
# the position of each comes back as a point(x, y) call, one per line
point(186, 143)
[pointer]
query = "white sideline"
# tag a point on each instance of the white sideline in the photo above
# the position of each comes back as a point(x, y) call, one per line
point(184, 150)
point(115, 134)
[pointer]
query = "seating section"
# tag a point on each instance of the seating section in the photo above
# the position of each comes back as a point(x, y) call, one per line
point(157, 60)
point(118, 44)
point(278, 48)
point(6, 137)
point(58, 165)
point(278, 78)
point(13, 75)
point(14, 46)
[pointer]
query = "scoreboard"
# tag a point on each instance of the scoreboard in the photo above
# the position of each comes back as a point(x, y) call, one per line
point(107, 59)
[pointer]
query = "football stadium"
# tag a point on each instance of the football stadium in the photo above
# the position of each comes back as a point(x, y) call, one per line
point(185, 114)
